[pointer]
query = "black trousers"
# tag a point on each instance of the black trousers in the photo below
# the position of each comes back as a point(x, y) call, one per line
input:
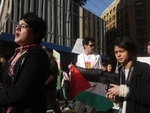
point(51, 98)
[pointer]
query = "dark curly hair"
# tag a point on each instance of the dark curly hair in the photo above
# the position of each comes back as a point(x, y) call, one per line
point(128, 44)
point(145, 50)
point(86, 40)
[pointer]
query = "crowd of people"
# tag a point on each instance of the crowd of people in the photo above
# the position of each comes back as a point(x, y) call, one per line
point(30, 79)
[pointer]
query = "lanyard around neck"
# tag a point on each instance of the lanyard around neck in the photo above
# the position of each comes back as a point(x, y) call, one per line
point(122, 76)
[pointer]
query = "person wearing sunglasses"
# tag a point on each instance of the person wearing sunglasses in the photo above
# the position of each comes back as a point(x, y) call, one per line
point(23, 77)
point(90, 60)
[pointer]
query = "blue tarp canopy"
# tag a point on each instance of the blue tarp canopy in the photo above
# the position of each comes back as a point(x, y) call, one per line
point(10, 37)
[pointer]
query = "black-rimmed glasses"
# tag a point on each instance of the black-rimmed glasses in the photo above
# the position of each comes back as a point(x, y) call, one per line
point(22, 26)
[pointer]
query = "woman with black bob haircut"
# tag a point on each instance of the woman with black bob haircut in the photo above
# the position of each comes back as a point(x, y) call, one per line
point(128, 44)
point(133, 86)
point(38, 25)
point(23, 77)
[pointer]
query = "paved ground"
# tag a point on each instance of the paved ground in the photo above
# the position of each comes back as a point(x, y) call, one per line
point(70, 111)
point(61, 102)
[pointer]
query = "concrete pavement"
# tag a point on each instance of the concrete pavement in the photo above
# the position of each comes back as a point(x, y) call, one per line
point(62, 102)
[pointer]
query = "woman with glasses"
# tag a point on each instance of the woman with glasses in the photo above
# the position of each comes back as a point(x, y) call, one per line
point(24, 75)
point(133, 89)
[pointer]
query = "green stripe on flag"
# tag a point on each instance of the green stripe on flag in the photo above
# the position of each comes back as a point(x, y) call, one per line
point(94, 100)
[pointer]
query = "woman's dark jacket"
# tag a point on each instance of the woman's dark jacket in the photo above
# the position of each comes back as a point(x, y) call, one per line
point(138, 100)
point(27, 94)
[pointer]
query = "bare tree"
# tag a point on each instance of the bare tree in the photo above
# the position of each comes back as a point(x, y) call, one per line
point(80, 2)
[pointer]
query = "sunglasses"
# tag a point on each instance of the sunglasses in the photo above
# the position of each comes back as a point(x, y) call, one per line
point(92, 45)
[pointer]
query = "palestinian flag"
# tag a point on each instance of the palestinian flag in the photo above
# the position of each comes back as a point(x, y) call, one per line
point(88, 86)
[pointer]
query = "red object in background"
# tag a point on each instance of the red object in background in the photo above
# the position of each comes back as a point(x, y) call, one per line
point(78, 83)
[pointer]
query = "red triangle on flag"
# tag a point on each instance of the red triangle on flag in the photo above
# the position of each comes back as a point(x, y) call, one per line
point(78, 83)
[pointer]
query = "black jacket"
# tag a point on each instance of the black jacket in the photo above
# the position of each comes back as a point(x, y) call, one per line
point(138, 100)
point(26, 95)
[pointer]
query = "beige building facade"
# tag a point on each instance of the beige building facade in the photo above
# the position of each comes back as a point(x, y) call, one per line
point(109, 15)
point(131, 19)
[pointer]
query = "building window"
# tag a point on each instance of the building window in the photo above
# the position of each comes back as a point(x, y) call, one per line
point(127, 25)
point(114, 9)
point(114, 24)
point(141, 31)
point(107, 14)
point(110, 27)
point(113, 17)
point(104, 17)
point(126, 8)
point(122, 28)
point(110, 11)
point(127, 33)
point(109, 20)
point(141, 22)
point(106, 28)
point(121, 11)
point(140, 13)
point(126, 16)
point(122, 19)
